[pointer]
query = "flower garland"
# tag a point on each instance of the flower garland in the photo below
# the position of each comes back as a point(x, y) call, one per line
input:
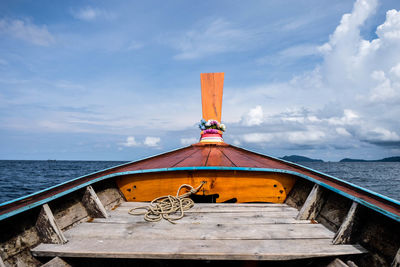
point(211, 126)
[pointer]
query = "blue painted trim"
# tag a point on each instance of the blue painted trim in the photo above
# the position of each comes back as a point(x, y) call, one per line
point(378, 209)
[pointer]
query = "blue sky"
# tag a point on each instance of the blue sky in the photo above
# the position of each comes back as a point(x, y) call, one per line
point(102, 80)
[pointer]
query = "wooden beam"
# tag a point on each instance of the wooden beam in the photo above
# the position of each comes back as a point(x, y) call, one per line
point(56, 262)
point(163, 231)
point(211, 95)
point(47, 227)
point(2, 262)
point(343, 235)
point(93, 204)
point(396, 260)
point(337, 263)
point(197, 249)
point(313, 204)
point(351, 263)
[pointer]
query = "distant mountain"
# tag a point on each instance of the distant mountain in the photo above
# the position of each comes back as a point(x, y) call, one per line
point(353, 160)
point(390, 159)
point(296, 158)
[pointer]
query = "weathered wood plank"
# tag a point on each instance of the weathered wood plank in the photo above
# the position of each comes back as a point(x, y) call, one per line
point(56, 262)
point(2, 262)
point(343, 235)
point(110, 197)
point(47, 227)
point(70, 212)
point(165, 230)
point(337, 263)
point(93, 204)
point(270, 214)
point(222, 208)
point(396, 260)
point(197, 249)
point(217, 205)
point(351, 264)
point(205, 218)
point(312, 205)
point(238, 211)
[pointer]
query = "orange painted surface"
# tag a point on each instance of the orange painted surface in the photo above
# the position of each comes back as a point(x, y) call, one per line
point(211, 95)
point(244, 186)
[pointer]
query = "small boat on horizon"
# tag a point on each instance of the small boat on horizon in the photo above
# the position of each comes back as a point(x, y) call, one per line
point(250, 210)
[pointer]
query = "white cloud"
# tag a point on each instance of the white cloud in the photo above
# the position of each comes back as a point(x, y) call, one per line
point(254, 117)
point(390, 30)
point(90, 13)
point(306, 137)
point(384, 90)
point(130, 142)
point(381, 135)
point(27, 31)
point(188, 141)
point(258, 137)
point(151, 141)
point(349, 118)
point(342, 131)
point(352, 96)
point(219, 36)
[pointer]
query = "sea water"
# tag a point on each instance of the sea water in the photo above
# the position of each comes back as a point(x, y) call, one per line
point(21, 177)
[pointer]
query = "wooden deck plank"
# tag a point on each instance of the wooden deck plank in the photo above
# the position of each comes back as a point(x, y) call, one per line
point(197, 249)
point(223, 208)
point(165, 230)
point(219, 205)
point(198, 218)
point(236, 210)
point(270, 214)
point(210, 231)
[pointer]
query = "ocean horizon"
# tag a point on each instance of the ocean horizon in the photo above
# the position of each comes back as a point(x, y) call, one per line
point(22, 177)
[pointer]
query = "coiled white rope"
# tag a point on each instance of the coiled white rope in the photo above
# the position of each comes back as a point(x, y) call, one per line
point(165, 206)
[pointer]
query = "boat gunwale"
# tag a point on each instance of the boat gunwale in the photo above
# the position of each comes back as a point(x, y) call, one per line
point(201, 168)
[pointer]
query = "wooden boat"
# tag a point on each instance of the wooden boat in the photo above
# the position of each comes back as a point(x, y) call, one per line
point(251, 210)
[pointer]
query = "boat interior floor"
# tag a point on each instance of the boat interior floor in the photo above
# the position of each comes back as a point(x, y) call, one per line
point(258, 231)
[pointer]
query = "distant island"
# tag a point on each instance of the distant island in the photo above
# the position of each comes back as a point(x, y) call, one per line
point(296, 158)
point(390, 159)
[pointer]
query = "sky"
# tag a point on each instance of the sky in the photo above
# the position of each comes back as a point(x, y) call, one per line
point(120, 80)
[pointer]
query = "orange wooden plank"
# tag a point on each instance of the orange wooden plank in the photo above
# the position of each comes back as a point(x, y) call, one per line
point(211, 95)
point(244, 186)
